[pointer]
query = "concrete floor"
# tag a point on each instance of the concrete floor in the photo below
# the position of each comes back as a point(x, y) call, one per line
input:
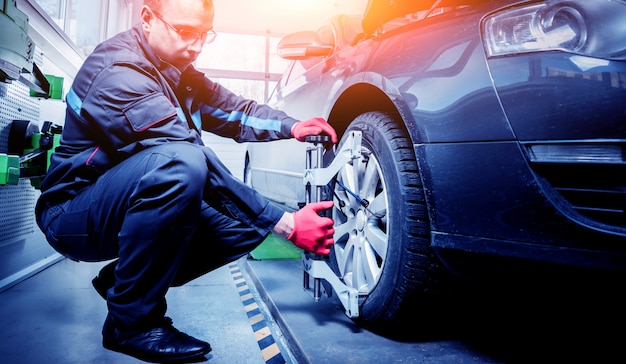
point(56, 317)
point(255, 312)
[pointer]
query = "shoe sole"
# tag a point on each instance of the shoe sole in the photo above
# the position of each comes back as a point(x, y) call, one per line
point(113, 346)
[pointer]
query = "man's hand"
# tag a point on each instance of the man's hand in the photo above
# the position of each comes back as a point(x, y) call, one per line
point(312, 232)
point(315, 126)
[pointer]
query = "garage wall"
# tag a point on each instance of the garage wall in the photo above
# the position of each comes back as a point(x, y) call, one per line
point(23, 247)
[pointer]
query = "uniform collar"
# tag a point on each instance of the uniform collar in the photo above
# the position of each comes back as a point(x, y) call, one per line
point(171, 73)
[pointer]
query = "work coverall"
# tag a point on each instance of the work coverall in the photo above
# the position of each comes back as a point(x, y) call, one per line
point(132, 178)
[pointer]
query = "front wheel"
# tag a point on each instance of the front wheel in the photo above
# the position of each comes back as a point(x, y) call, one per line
point(382, 230)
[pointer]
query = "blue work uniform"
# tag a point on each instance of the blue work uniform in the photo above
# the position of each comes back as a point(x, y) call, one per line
point(132, 178)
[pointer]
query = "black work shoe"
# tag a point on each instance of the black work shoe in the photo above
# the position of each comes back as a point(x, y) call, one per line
point(105, 279)
point(157, 345)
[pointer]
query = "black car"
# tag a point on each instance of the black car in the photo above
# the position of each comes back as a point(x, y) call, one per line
point(490, 129)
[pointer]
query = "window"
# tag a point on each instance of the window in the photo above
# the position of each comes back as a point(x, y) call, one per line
point(244, 63)
point(55, 9)
point(88, 22)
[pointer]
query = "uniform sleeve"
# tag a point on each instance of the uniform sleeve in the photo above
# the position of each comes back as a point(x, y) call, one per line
point(229, 115)
point(130, 109)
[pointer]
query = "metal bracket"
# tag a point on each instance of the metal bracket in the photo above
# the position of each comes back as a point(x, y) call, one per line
point(317, 176)
point(315, 268)
point(318, 269)
point(30, 152)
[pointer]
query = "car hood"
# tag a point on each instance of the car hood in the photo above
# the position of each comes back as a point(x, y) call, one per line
point(378, 12)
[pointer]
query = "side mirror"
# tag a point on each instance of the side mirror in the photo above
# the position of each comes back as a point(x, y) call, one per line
point(303, 45)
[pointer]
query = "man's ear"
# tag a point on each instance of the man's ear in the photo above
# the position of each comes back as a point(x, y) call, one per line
point(146, 17)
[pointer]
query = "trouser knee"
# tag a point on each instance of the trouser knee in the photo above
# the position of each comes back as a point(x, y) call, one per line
point(183, 163)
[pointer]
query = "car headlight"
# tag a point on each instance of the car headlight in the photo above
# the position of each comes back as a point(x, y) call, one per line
point(595, 28)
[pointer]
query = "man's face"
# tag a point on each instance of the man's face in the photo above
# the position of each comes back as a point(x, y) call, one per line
point(178, 31)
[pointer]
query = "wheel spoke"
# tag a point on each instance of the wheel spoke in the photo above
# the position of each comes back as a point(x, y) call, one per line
point(358, 280)
point(346, 262)
point(376, 239)
point(371, 268)
point(378, 205)
point(349, 177)
point(343, 230)
point(370, 179)
point(346, 177)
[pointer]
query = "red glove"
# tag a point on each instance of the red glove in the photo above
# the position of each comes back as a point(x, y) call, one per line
point(315, 126)
point(312, 232)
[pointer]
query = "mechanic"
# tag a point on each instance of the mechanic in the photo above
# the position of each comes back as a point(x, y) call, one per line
point(133, 183)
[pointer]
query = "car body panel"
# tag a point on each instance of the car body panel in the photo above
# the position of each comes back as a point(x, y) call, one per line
point(562, 96)
point(479, 126)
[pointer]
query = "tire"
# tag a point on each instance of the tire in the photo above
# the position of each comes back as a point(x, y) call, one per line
point(383, 250)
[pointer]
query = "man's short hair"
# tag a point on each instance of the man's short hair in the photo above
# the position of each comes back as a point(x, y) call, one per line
point(158, 4)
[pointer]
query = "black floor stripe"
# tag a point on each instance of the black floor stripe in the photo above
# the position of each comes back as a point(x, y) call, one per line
point(269, 349)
